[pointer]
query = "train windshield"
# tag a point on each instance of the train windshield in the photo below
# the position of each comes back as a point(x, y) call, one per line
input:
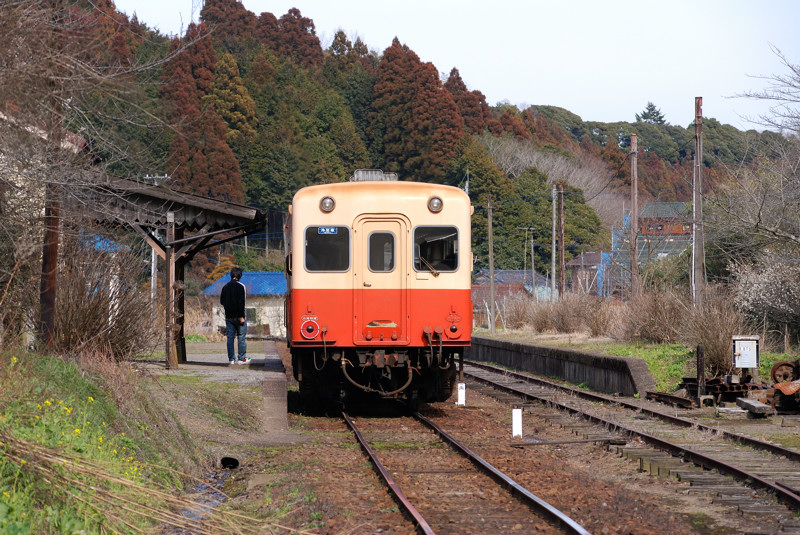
point(435, 249)
point(327, 249)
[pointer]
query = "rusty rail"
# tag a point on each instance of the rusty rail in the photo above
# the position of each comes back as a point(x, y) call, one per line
point(788, 496)
point(422, 524)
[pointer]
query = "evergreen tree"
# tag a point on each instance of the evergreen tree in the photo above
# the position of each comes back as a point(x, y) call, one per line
point(232, 102)
point(651, 115)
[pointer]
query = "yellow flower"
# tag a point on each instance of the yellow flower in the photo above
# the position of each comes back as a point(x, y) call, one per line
point(91, 398)
point(47, 402)
point(77, 431)
point(7, 495)
point(14, 360)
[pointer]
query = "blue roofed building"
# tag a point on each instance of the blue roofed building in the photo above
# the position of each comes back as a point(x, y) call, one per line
point(266, 291)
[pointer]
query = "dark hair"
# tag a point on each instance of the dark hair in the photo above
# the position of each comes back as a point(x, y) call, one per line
point(236, 273)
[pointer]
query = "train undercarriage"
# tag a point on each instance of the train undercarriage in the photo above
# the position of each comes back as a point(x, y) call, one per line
point(355, 375)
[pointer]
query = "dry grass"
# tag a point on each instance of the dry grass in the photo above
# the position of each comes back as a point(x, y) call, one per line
point(714, 326)
point(656, 317)
point(117, 502)
point(660, 316)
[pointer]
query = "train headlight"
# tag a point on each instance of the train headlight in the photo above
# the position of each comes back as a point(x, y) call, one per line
point(435, 204)
point(327, 204)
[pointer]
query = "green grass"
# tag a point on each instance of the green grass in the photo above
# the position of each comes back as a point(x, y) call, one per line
point(58, 448)
point(666, 362)
point(81, 453)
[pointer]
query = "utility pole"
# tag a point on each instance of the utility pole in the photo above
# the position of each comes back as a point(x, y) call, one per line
point(52, 209)
point(491, 266)
point(698, 246)
point(525, 256)
point(562, 268)
point(553, 252)
point(636, 284)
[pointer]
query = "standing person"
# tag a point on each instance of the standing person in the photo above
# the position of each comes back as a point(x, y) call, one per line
point(232, 300)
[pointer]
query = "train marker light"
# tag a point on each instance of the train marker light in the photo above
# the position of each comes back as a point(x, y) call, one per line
point(327, 204)
point(435, 204)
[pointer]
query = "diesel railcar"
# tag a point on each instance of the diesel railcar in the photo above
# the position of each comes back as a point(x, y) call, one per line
point(379, 274)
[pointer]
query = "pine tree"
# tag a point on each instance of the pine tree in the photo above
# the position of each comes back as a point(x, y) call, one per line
point(651, 114)
point(292, 36)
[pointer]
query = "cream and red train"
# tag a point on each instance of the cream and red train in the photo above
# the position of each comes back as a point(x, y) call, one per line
point(379, 274)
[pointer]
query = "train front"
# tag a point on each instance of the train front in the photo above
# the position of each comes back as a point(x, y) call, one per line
point(379, 289)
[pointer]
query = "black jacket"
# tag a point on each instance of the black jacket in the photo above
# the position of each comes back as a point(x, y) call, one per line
point(232, 299)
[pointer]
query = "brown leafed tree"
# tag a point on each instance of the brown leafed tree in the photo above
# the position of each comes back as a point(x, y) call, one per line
point(414, 121)
point(512, 124)
point(232, 26)
point(471, 104)
point(292, 36)
point(200, 160)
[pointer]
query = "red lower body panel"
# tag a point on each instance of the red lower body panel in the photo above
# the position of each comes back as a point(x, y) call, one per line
point(379, 318)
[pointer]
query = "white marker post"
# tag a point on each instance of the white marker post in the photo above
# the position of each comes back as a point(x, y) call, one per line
point(462, 394)
point(516, 423)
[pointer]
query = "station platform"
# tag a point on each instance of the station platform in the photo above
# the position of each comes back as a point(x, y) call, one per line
point(209, 360)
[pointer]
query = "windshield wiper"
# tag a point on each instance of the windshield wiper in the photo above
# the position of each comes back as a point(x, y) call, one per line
point(428, 264)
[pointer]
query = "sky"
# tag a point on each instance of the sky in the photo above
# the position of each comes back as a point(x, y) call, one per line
point(602, 60)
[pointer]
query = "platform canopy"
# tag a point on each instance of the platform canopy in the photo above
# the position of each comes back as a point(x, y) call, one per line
point(177, 225)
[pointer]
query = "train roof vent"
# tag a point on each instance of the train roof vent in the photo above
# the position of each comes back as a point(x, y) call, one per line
point(371, 175)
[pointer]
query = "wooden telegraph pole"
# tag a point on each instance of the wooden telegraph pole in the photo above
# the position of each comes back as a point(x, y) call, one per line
point(636, 283)
point(553, 252)
point(698, 245)
point(561, 264)
point(491, 266)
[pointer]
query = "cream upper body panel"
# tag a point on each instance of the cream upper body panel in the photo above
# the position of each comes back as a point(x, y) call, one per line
point(363, 207)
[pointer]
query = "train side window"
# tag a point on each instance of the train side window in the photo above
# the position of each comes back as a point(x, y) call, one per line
point(327, 249)
point(435, 249)
point(381, 252)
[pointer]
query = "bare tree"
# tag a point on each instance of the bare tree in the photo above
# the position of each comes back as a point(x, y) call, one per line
point(586, 172)
point(783, 91)
point(69, 86)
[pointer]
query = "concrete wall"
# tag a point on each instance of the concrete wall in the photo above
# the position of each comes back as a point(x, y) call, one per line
point(266, 316)
point(604, 373)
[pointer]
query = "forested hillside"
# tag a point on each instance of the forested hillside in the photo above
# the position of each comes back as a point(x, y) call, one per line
point(249, 107)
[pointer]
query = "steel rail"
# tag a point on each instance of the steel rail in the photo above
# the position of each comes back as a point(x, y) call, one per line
point(533, 501)
point(422, 524)
point(791, 454)
point(787, 495)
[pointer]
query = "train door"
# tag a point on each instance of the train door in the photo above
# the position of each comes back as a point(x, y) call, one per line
point(380, 274)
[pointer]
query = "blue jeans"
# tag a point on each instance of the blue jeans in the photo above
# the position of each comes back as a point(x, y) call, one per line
point(233, 329)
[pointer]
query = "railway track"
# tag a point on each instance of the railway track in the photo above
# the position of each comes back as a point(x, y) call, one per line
point(444, 487)
point(745, 472)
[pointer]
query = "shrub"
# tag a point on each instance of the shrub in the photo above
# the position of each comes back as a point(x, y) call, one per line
point(714, 325)
point(100, 306)
point(655, 316)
